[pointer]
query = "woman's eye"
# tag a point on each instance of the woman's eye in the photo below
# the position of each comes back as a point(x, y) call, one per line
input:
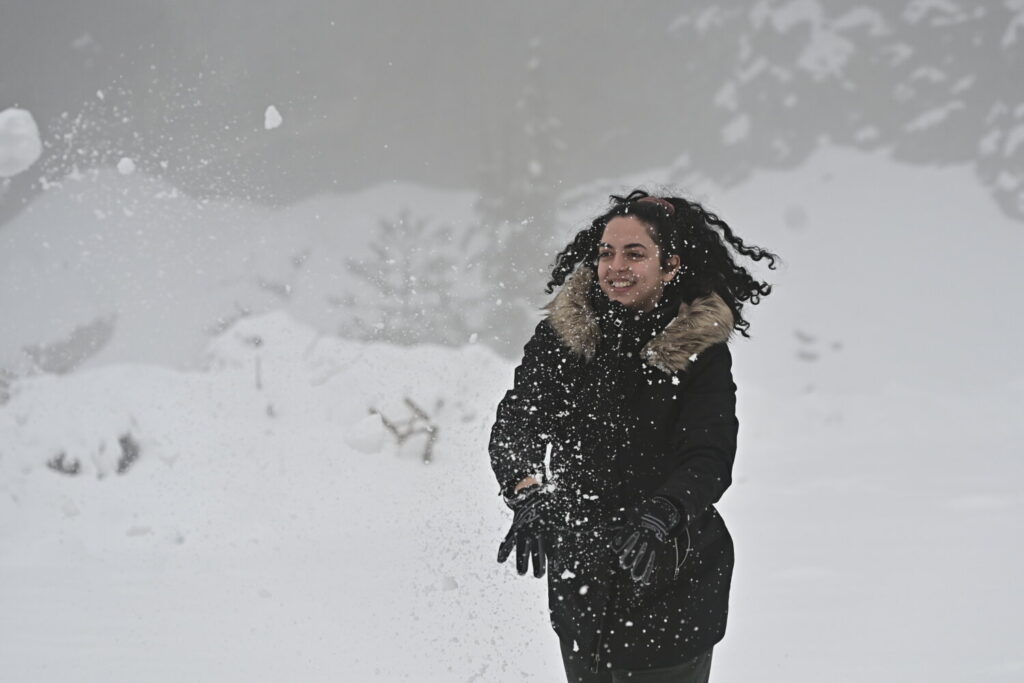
point(636, 256)
point(604, 254)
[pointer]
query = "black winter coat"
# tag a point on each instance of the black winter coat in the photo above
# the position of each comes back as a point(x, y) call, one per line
point(630, 406)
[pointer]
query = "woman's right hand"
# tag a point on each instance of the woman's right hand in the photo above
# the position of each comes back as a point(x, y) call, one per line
point(525, 532)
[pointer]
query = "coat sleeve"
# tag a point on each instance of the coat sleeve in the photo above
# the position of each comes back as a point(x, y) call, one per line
point(704, 438)
point(524, 420)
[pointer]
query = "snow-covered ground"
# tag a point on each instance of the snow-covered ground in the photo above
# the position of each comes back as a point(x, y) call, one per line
point(270, 528)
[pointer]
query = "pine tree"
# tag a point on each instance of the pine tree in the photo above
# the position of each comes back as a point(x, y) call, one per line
point(421, 283)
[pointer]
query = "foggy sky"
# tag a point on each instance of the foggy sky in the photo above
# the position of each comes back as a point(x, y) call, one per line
point(434, 92)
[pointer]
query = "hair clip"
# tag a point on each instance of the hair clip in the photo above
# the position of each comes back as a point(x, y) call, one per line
point(664, 203)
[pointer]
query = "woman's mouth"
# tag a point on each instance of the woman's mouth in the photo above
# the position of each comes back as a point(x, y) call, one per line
point(620, 285)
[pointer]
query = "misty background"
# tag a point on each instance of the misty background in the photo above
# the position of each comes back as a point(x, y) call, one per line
point(256, 228)
point(458, 95)
point(527, 106)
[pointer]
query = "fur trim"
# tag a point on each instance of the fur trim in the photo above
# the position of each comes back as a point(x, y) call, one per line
point(704, 322)
point(571, 316)
point(701, 324)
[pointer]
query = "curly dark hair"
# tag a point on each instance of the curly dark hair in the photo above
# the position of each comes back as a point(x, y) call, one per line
point(699, 237)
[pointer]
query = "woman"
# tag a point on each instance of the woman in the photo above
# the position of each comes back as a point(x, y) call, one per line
point(619, 435)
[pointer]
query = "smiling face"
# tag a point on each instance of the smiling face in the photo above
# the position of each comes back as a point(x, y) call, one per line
point(629, 264)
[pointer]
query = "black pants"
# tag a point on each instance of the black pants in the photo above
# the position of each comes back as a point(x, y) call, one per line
point(577, 670)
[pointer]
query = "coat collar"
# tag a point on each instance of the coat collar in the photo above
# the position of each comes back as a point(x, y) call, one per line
point(700, 324)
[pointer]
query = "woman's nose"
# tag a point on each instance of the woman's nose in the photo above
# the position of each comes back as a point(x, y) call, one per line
point(619, 262)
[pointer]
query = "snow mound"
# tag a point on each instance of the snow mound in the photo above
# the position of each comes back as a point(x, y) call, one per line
point(367, 435)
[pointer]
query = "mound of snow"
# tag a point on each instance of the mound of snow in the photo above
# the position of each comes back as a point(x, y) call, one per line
point(367, 435)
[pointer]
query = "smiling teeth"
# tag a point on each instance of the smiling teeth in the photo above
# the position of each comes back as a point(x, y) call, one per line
point(621, 283)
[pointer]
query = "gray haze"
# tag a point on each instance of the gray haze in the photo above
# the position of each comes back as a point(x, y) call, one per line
point(457, 94)
point(534, 108)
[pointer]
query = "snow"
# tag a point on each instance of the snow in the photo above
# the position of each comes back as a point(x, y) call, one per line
point(249, 545)
point(367, 435)
point(1014, 139)
point(125, 166)
point(271, 528)
point(20, 146)
point(933, 117)
point(916, 10)
point(146, 274)
point(1015, 25)
point(858, 17)
point(736, 129)
point(272, 118)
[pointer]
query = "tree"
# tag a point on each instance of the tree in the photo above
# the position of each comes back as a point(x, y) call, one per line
point(421, 285)
point(929, 81)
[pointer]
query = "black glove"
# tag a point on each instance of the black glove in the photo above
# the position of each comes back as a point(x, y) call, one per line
point(647, 530)
point(525, 533)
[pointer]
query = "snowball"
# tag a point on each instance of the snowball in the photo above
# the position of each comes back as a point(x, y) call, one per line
point(126, 166)
point(20, 146)
point(366, 435)
point(272, 118)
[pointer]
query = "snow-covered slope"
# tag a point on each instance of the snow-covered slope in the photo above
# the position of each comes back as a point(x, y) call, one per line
point(271, 528)
point(893, 273)
point(110, 267)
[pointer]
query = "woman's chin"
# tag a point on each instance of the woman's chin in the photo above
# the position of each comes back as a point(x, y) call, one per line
point(628, 302)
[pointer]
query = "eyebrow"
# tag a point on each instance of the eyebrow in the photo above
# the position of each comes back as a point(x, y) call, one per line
point(633, 245)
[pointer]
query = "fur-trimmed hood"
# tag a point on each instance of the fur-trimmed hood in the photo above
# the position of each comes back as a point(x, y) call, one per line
point(702, 323)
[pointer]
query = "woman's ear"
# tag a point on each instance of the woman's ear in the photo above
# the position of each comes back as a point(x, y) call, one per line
point(672, 269)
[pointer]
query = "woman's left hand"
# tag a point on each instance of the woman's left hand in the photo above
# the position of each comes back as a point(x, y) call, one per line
point(648, 529)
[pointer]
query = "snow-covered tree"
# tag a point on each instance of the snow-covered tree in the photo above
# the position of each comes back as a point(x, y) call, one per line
point(419, 283)
point(930, 81)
